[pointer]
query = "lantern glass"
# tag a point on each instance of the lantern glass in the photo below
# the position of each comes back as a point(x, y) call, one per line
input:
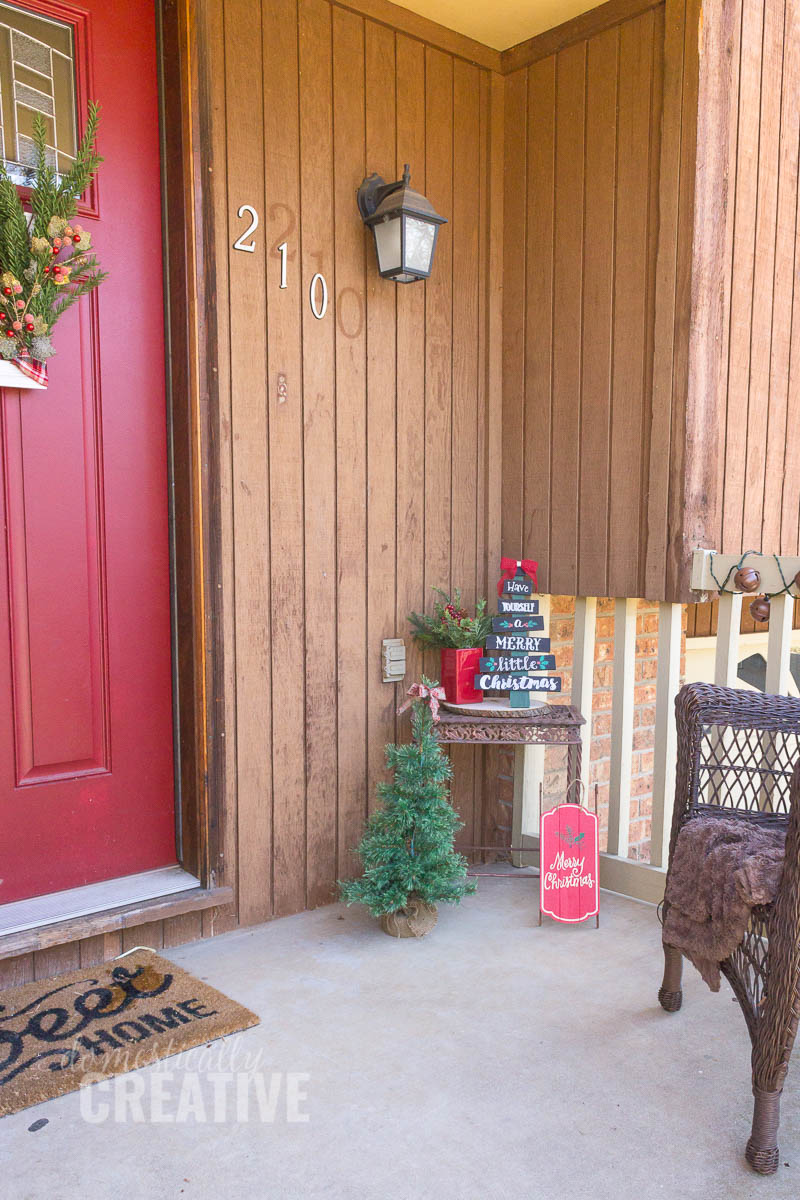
point(387, 244)
point(404, 224)
point(419, 240)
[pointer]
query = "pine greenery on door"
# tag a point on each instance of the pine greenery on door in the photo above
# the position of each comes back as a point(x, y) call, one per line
point(45, 263)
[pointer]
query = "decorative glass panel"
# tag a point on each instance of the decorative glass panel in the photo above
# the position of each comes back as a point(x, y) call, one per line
point(419, 244)
point(37, 75)
point(387, 244)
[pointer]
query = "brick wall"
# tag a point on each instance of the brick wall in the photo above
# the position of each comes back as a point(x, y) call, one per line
point(562, 624)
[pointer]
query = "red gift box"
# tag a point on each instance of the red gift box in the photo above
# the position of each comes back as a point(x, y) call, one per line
point(459, 668)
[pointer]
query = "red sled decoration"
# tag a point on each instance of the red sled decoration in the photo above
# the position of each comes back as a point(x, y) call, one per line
point(458, 674)
point(569, 888)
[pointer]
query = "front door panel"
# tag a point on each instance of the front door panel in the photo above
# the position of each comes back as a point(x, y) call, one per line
point(86, 766)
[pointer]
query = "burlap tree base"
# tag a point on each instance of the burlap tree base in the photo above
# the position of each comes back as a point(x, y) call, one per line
point(415, 920)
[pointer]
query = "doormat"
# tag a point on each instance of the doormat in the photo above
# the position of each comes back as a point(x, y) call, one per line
point(104, 1021)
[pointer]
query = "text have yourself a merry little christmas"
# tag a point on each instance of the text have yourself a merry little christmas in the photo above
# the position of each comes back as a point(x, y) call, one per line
point(515, 683)
point(576, 877)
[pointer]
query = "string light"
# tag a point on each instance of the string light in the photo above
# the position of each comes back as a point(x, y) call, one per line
point(760, 606)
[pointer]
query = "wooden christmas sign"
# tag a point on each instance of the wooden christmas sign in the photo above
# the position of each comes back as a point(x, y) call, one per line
point(542, 647)
point(517, 587)
point(512, 624)
point(526, 663)
point(512, 641)
point(518, 606)
point(569, 886)
point(514, 671)
point(518, 682)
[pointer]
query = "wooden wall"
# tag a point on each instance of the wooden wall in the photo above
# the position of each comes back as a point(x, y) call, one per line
point(581, 221)
point(651, 348)
point(358, 444)
point(758, 498)
point(734, 466)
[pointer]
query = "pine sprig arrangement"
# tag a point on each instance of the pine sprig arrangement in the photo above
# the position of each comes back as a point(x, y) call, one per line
point(45, 263)
point(14, 236)
point(451, 626)
point(54, 197)
point(407, 848)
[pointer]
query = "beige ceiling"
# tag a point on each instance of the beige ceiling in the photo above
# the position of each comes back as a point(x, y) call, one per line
point(498, 23)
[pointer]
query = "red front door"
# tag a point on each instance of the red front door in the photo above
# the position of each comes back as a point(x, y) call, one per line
point(86, 759)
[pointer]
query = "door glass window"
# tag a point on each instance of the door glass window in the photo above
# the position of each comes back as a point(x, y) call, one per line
point(37, 75)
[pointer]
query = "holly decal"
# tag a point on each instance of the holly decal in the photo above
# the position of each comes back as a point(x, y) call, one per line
point(572, 839)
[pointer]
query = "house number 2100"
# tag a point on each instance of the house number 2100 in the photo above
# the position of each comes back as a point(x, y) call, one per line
point(318, 288)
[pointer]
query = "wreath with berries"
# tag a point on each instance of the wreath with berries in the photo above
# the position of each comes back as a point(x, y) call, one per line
point(45, 260)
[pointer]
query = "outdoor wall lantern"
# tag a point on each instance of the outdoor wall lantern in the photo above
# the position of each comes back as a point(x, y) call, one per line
point(405, 226)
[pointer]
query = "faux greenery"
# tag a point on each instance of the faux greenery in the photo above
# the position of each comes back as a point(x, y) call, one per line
point(45, 266)
point(407, 848)
point(451, 626)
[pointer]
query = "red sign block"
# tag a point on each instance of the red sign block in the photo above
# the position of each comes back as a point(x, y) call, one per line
point(569, 863)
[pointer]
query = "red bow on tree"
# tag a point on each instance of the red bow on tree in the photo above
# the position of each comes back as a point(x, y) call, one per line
point(421, 691)
point(510, 566)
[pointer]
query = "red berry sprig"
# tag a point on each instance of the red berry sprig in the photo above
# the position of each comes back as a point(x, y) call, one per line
point(456, 614)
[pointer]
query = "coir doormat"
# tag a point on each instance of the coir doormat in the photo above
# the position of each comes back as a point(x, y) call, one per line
point(104, 1021)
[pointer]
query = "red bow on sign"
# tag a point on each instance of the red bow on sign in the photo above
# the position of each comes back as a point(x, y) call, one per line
point(421, 691)
point(509, 567)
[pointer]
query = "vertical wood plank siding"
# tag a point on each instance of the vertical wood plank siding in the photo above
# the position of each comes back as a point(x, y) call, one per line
point(760, 388)
point(247, 304)
point(583, 143)
point(283, 742)
point(359, 470)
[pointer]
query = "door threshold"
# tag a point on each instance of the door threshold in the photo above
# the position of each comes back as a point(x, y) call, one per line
point(114, 920)
point(179, 892)
point(93, 898)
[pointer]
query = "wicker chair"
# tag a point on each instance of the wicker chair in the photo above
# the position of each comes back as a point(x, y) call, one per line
point(737, 752)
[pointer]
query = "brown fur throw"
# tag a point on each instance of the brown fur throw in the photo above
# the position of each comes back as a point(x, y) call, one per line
point(720, 870)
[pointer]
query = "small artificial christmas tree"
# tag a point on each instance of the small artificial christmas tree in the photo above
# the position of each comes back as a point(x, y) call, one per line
point(407, 848)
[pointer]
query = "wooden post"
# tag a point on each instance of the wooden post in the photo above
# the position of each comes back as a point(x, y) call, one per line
point(777, 681)
point(727, 653)
point(726, 660)
point(528, 775)
point(665, 752)
point(779, 644)
point(619, 801)
point(583, 679)
point(528, 779)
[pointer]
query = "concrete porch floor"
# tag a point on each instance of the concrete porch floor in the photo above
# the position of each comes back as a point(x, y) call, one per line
point(490, 1060)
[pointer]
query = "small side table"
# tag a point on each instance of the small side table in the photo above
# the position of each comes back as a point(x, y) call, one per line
point(548, 725)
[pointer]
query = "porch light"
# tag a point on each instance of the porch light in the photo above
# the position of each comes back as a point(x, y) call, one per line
point(405, 226)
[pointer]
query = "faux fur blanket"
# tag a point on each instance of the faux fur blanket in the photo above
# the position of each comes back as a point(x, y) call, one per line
point(720, 870)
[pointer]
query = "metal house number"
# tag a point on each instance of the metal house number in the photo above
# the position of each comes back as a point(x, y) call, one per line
point(318, 296)
point(241, 243)
point(318, 288)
